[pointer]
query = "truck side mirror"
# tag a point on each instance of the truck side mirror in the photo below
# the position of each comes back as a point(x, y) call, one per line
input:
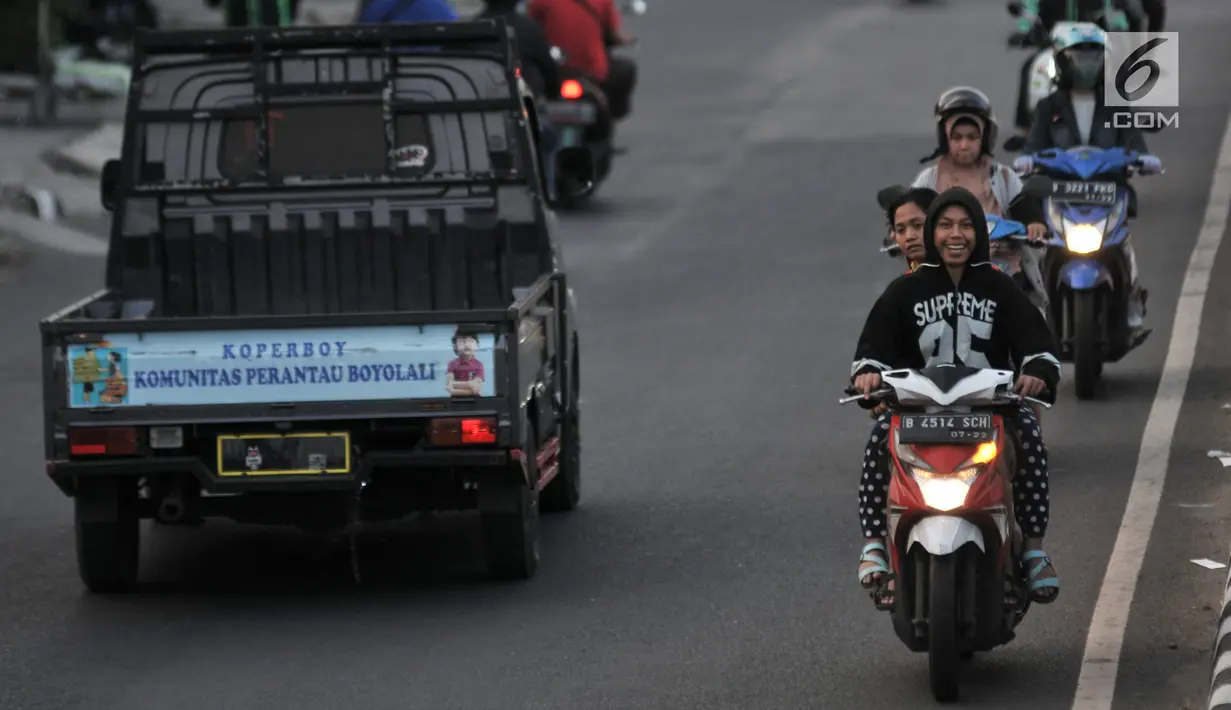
point(109, 185)
point(576, 165)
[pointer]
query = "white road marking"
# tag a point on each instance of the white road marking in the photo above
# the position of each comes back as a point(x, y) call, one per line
point(1096, 685)
point(1208, 563)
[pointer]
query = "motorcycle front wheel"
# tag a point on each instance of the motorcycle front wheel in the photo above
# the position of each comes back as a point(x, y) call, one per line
point(944, 653)
point(1087, 361)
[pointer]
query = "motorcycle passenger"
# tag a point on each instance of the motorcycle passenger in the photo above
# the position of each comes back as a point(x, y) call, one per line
point(966, 135)
point(906, 209)
point(954, 288)
point(1074, 115)
point(539, 70)
point(585, 30)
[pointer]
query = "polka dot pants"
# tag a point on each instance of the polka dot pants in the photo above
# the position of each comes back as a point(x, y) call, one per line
point(1029, 485)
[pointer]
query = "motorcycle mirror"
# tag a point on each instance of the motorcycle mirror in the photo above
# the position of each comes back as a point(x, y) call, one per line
point(1015, 144)
point(889, 195)
point(1015, 8)
point(891, 248)
point(1038, 186)
point(636, 7)
point(576, 166)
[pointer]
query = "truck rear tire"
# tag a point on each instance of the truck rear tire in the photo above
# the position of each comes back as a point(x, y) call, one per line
point(108, 553)
point(511, 538)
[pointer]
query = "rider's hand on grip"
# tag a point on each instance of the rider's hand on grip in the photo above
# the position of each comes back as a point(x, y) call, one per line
point(1028, 386)
point(867, 383)
point(1024, 164)
point(1151, 165)
point(1036, 234)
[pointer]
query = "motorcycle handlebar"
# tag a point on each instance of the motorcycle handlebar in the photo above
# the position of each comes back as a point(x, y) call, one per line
point(1025, 239)
point(886, 394)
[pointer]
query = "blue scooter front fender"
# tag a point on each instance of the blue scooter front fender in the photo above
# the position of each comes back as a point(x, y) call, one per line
point(1084, 275)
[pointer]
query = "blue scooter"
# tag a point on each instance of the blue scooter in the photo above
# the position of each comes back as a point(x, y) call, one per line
point(1087, 270)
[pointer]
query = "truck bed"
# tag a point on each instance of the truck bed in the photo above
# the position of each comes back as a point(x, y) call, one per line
point(323, 171)
point(345, 258)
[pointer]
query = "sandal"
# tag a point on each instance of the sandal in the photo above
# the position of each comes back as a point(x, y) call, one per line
point(1037, 595)
point(879, 589)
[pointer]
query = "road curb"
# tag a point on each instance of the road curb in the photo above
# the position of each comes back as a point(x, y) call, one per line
point(85, 155)
point(1220, 672)
point(17, 226)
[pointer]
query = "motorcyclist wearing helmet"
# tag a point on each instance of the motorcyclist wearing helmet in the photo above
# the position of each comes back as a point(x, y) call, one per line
point(1075, 115)
point(966, 135)
point(1037, 18)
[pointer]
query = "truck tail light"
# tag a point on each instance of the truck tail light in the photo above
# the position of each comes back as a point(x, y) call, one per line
point(458, 432)
point(102, 441)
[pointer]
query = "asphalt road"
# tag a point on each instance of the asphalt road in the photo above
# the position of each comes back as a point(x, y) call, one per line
point(712, 564)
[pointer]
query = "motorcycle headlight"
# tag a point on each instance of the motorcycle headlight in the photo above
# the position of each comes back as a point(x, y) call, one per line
point(947, 491)
point(1083, 238)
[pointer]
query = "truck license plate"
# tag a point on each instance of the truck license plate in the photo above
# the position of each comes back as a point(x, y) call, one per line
point(301, 454)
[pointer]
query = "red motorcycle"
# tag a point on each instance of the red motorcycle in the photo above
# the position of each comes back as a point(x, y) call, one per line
point(954, 546)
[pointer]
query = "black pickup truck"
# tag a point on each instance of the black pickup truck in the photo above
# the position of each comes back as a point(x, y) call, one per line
point(333, 296)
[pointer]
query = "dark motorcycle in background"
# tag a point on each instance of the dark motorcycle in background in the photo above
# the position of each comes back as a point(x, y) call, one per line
point(582, 119)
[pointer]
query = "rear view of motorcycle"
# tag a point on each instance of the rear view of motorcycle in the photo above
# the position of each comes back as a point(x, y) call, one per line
point(583, 118)
point(955, 548)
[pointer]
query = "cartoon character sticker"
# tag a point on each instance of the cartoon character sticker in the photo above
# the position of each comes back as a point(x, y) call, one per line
point(254, 459)
point(410, 156)
point(99, 367)
point(465, 375)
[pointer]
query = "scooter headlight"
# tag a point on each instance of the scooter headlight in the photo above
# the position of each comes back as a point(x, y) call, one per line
point(1083, 238)
point(946, 491)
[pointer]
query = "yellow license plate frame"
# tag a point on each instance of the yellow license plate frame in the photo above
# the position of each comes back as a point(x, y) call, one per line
point(248, 473)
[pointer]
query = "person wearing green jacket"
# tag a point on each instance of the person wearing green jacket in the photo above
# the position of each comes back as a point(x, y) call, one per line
point(257, 13)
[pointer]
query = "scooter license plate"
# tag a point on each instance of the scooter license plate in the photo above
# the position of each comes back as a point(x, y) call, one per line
point(1089, 193)
point(574, 112)
point(945, 428)
point(570, 137)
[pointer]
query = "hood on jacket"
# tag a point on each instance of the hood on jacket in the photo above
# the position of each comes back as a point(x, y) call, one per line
point(981, 252)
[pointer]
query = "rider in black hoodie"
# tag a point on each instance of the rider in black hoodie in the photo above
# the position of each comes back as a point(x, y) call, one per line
point(956, 307)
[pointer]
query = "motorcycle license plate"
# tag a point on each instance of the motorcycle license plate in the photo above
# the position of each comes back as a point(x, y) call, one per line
point(576, 112)
point(1090, 193)
point(945, 428)
point(570, 137)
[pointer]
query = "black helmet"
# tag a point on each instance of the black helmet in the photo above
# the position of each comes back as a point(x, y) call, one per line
point(964, 100)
